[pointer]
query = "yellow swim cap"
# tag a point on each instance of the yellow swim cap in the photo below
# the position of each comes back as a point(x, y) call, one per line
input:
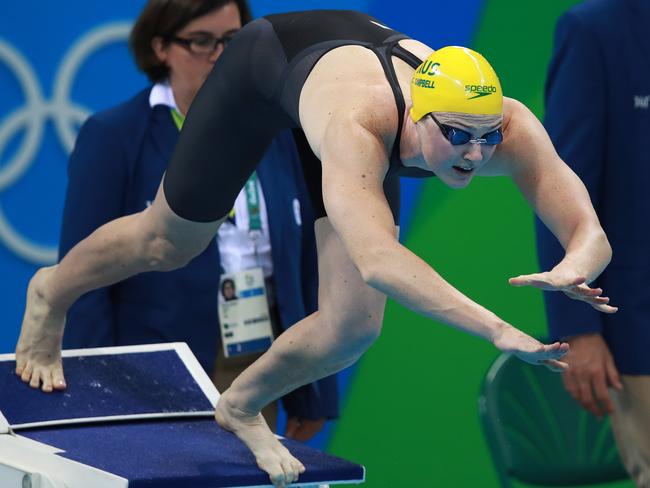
point(455, 79)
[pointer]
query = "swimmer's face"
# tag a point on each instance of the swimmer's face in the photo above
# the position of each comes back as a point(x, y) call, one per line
point(455, 165)
point(189, 55)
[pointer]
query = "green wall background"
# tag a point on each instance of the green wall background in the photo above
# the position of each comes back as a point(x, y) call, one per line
point(411, 413)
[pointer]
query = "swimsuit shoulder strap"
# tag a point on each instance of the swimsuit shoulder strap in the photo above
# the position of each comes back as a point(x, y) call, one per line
point(407, 56)
point(384, 52)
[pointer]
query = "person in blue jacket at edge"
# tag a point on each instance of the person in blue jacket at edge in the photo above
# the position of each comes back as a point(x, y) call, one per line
point(115, 169)
point(598, 116)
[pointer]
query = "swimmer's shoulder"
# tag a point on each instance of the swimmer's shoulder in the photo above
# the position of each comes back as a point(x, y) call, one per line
point(349, 101)
point(350, 118)
point(516, 117)
point(348, 85)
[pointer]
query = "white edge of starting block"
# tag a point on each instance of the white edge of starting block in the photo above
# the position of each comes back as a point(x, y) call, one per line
point(184, 353)
point(113, 419)
point(197, 371)
point(318, 484)
point(24, 459)
point(100, 351)
point(4, 425)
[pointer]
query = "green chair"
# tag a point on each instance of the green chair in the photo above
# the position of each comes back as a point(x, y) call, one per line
point(536, 432)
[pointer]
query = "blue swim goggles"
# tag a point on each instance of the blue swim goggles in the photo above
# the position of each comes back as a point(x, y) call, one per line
point(458, 137)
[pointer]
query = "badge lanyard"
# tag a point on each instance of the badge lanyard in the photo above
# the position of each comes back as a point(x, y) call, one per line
point(252, 194)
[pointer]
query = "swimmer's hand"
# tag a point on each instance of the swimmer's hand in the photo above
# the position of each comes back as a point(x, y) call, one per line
point(573, 286)
point(511, 340)
point(38, 352)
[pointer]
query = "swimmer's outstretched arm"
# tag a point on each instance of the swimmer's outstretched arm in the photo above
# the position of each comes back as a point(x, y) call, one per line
point(357, 208)
point(561, 200)
point(155, 239)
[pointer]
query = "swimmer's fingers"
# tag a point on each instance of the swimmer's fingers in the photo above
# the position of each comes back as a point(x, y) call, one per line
point(604, 308)
point(544, 354)
point(584, 290)
point(553, 351)
point(555, 365)
point(574, 287)
point(592, 296)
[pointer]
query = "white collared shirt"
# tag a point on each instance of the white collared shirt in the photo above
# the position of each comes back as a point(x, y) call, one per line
point(239, 248)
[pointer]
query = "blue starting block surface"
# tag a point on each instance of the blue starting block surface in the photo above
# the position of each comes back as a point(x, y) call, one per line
point(134, 417)
point(104, 386)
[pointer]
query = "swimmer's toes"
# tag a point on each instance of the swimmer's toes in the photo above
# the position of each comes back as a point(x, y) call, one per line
point(58, 379)
point(276, 473)
point(290, 471)
point(298, 466)
point(286, 454)
point(46, 377)
point(35, 381)
point(21, 360)
point(26, 374)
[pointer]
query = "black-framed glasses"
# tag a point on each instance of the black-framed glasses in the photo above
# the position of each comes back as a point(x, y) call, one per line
point(202, 44)
point(458, 137)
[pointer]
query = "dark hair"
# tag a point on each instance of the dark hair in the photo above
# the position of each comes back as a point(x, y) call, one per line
point(228, 281)
point(165, 18)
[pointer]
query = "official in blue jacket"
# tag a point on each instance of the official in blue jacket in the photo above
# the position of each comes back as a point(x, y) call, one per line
point(598, 115)
point(115, 169)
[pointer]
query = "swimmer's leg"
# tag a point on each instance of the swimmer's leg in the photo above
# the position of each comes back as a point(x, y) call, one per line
point(230, 124)
point(155, 239)
point(347, 323)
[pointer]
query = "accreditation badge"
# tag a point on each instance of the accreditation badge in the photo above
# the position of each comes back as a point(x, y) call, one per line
point(244, 313)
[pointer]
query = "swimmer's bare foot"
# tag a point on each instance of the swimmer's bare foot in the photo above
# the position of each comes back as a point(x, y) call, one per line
point(252, 430)
point(512, 340)
point(38, 352)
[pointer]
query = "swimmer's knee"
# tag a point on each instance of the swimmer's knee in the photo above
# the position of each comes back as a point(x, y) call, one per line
point(165, 255)
point(163, 250)
point(367, 331)
point(358, 330)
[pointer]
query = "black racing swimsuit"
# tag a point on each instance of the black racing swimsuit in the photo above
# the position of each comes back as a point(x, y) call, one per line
point(253, 93)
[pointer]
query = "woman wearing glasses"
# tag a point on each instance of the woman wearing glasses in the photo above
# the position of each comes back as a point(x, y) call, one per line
point(115, 169)
point(373, 105)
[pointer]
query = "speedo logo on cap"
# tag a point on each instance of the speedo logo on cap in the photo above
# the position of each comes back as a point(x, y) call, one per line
point(480, 90)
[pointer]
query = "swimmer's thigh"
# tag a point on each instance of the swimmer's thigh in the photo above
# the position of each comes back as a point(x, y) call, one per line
point(228, 128)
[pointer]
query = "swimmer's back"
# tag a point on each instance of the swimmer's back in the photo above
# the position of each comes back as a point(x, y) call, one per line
point(335, 64)
point(300, 31)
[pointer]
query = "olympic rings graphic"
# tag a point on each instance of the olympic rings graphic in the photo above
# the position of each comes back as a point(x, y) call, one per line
point(33, 116)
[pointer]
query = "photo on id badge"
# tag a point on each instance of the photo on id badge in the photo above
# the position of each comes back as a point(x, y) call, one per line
point(244, 313)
